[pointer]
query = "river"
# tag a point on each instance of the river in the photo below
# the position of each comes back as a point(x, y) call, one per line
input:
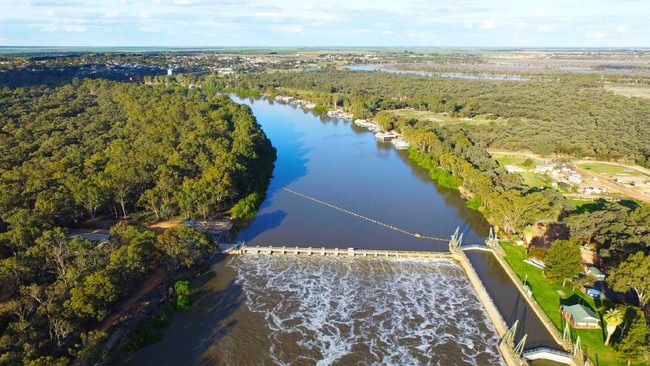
point(339, 311)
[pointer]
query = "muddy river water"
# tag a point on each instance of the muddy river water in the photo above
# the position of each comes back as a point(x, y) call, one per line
point(284, 310)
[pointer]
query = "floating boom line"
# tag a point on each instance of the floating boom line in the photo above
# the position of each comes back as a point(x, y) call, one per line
point(416, 235)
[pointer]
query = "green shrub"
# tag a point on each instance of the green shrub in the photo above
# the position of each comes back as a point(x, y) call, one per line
point(475, 203)
point(182, 302)
point(444, 178)
point(319, 108)
point(182, 288)
point(143, 337)
point(162, 321)
point(246, 208)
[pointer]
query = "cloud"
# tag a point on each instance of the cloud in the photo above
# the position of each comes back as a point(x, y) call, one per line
point(48, 3)
point(597, 35)
point(74, 28)
point(339, 22)
point(488, 25)
point(622, 29)
point(150, 29)
point(50, 28)
point(113, 13)
point(289, 28)
point(546, 27)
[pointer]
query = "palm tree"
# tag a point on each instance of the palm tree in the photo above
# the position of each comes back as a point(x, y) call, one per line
point(613, 318)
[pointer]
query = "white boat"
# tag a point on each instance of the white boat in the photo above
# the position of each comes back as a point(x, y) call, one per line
point(385, 136)
point(400, 144)
point(367, 125)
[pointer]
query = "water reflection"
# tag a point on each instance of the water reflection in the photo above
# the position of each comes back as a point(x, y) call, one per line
point(264, 222)
point(343, 164)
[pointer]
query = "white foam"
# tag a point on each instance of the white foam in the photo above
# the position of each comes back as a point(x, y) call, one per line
point(377, 311)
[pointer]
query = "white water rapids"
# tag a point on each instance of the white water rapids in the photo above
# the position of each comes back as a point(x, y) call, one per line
point(345, 311)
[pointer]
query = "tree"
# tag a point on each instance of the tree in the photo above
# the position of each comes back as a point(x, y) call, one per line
point(634, 346)
point(92, 298)
point(53, 245)
point(132, 260)
point(563, 260)
point(184, 245)
point(513, 210)
point(633, 273)
point(385, 120)
point(613, 318)
point(182, 289)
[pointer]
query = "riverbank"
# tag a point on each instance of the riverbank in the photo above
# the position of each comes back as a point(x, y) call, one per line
point(212, 330)
point(546, 298)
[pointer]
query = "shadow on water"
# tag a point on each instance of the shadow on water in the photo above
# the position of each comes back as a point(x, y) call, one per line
point(474, 219)
point(514, 314)
point(290, 167)
point(291, 164)
point(192, 332)
point(262, 223)
point(510, 302)
point(217, 306)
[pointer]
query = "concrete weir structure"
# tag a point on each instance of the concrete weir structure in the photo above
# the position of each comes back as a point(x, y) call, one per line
point(513, 355)
point(351, 252)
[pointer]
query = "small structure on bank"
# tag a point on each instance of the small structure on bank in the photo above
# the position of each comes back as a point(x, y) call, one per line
point(580, 316)
point(596, 272)
point(216, 228)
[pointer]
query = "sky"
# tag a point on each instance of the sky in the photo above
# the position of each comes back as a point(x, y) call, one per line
point(325, 23)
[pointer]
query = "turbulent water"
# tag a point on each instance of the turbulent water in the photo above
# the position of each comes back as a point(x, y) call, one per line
point(344, 311)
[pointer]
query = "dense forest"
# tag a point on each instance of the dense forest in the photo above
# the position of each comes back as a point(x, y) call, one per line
point(98, 148)
point(562, 113)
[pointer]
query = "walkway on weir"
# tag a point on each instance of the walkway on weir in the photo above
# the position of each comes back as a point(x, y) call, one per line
point(545, 353)
point(351, 252)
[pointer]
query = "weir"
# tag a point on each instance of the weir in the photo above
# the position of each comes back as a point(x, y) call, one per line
point(512, 354)
point(350, 252)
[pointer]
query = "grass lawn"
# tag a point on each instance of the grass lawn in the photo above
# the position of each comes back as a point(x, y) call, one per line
point(546, 294)
point(609, 169)
point(533, 179)
point(435, 117)
point(516, 160)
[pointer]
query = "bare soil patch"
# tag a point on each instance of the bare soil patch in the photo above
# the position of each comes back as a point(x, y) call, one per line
point(630, 91)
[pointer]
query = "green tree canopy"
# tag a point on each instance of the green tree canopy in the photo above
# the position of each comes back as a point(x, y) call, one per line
point(633, 273)
point(563, 260)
